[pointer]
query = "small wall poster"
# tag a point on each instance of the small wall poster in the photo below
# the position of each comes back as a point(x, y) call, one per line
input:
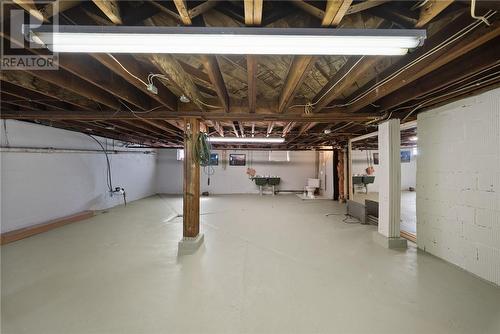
point(237, 159)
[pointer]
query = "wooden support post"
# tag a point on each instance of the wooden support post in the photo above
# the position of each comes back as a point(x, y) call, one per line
point(191, 204)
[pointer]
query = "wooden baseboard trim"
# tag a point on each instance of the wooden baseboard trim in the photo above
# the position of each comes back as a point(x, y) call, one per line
point(408, 236)
point(26, 232)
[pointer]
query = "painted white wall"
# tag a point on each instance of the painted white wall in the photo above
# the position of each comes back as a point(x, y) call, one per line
point(233, 179)
point(37, 187)
point(458, 184)
point(408, 169)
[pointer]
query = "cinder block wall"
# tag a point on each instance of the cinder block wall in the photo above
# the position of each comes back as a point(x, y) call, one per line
point(458, 184)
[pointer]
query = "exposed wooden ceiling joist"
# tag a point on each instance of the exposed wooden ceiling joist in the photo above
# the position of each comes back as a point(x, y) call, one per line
point(296, 74)
point(430, 10)
point(211, 65)
point(172, 69)
point(253, 12)
point(166, 114)
point(182, 8)
point(110, 8)
point(335, 11)
point(252, 82)
point(129, 69)
point(472, 40)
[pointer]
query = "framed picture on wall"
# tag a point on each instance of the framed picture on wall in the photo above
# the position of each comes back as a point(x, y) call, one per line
point(214, 160)
point(405, 156)
point(375, 158)
point(237, 159)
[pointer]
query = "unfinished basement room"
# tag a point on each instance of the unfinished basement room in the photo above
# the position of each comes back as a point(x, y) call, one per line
point(253, 166)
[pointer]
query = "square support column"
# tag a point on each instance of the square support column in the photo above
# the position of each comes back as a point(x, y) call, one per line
point(192, 238)
point(389, 178)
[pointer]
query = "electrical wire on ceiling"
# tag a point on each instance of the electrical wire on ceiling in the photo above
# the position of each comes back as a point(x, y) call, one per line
point(450, 93)
point(477, 17)
point(125, 69)
point(209, 105)
point(156, 75)
point(437, 48)
point(308, 106)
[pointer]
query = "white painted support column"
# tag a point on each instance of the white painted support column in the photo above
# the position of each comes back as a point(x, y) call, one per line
point(389, 178)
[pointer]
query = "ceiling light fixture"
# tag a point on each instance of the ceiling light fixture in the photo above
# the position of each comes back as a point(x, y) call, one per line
point(233, 40)
point(246, 140)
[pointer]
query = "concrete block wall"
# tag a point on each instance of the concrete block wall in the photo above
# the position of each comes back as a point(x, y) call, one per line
point(458, 184)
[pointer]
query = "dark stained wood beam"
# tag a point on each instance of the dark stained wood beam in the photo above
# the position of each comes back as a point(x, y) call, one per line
point(147, 128)
point(32, 83)
point(252, 82)
point(86, 68)
point(163, 127)
point(131, 71)
point(354, 68)
point(211, 65)
point(135, 15)
point(130, 128)
point(460, 69)
point(195, 72)
point(34, 97)
point(202, 8)
point(296, 74)
point(469, 42)
point(306, 127)
point(393, 16)
point(361, 6)
point(111, 9)
point(78, 86)
point(107, 131)
point(95, 73)
point(308, 8)
point(430, 10)
point(57, 7)
point(170, 115)
point(334, 12)
point(167, 11)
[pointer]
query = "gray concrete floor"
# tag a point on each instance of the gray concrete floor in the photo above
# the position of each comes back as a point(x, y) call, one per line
point(268, 265)
point(408, 208)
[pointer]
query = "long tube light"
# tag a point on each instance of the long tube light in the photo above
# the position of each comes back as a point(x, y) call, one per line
point(246, 140)
point(208, 40)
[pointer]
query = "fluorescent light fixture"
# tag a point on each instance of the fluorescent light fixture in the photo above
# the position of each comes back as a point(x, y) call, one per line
point(245, 140)
point(209, 40)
